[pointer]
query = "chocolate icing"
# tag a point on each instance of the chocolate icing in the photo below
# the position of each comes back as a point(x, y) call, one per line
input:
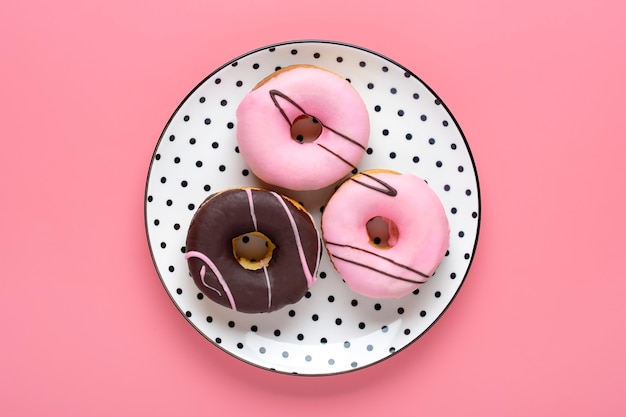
point(235, 212)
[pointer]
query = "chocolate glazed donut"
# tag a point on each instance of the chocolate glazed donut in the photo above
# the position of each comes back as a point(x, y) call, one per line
point(280, 277)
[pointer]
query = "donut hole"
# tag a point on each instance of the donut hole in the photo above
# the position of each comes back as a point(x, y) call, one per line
point(306, 128)
point(382, 232)
point(253, 250)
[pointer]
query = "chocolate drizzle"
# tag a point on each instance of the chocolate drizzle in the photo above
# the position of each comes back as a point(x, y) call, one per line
point(408, 268)
point(385, 189)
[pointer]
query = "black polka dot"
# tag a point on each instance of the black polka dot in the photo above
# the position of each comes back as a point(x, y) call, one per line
point(474, 215)
point(416, 159)
point(156, 222)
point(230, 125)
point(231, 324)
point(254, 328)
point(408, 136)
point(199, 296)
point(209, 319)
point(192, 141)
point(369, 151)
point(460, 168)
point(169, 203)
point(307, 294)
point(188, 313)
point(339, 59)
point(292, 313)
point(416, 291)
point(385, 69)
point(186, 118)
point(207, 187)
point(407, 331)
point(416, 96)
point(172, 137)
point(362, 64)
point(361, 325)
point(316, 55)
point(338, 321)
point(461, 233)
point(377, 108)
point(294, 51)
point(453, 210)
point(163, 245)
point(255, 66)
point(207, 121)
point(239, 83)
point(393, 90)
point(437, 294)
point(453, 145)
point(423, 117)
point(218, 340)
point(219, 80)
point(392, 155)
point(215, 145)
point(157, 156)
point(400, 310)
point(377, 306)
point(240, 345)
point(439, 164)
point(245, 172)
point(385, 132)
point(300, 336)
point(163, 180)
point(222, 168)
point(468, 192)
point(354, 303)
point(446, 187)
point(445, 123)
point(431, 141)
point(323, 340)
point(223, 103)
point(179, 291)
point(176, 160)
point(276, 332)
point(315, 317)
point(422, 313)
point(453, 275)
point(198, 164)
point(370, 86)
point(171, 268)
point(322, 275)
point(331, 298)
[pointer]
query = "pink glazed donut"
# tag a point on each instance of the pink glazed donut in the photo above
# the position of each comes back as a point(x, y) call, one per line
point(417, 227)
point(266, 128)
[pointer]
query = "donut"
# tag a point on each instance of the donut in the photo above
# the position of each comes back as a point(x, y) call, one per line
point(414, 223)
point(252, 250)
point(302, 128)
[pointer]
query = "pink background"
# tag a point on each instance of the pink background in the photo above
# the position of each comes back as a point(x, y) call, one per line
point(536, 330)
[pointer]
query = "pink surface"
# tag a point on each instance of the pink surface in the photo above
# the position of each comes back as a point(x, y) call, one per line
point(538, 327)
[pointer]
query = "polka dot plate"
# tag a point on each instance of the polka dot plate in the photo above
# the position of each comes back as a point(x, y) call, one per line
point(332, 329)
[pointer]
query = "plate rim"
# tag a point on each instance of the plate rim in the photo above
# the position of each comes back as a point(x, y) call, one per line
point(326, 42)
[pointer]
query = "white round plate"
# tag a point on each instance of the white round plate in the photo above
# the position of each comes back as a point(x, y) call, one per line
point(331, 330)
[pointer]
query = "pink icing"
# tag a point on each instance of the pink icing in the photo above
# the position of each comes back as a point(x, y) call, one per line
point(264, 131)
point(217, 273)
point(309, 277)
point(422, 239)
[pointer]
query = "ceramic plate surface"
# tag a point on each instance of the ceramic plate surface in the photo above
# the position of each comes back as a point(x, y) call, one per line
point(332, 329)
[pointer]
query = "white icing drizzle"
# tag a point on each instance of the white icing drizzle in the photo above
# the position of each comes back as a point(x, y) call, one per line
point(251, 203)
point(202, 274)
point(309, 278)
